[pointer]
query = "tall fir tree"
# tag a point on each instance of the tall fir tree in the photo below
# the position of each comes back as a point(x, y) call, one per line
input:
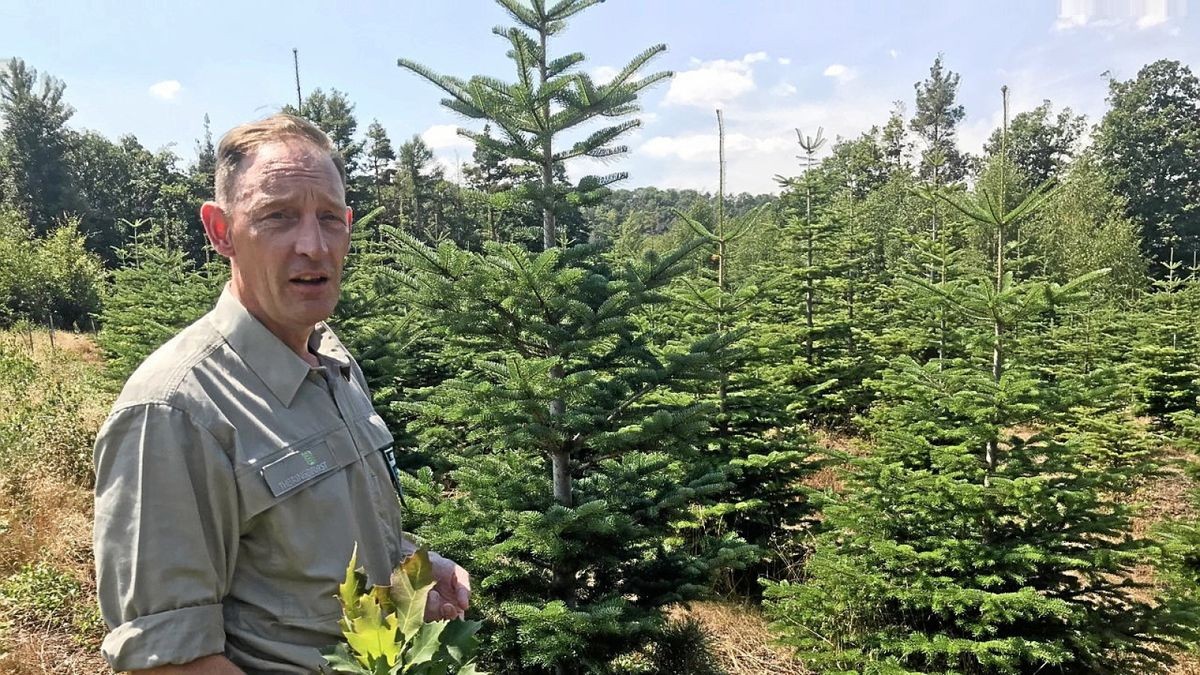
point(551, 97)
point(754, 439)
point(572, 479)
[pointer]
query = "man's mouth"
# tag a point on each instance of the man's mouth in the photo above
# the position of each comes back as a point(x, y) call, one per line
point(309, 279)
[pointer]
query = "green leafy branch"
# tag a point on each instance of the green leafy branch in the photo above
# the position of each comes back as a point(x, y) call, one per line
point(385, 630)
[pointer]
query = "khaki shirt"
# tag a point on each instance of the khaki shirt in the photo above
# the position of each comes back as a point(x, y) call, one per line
point(233, 481)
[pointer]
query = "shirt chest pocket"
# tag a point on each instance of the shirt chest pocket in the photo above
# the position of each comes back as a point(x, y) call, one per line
point(278, 477)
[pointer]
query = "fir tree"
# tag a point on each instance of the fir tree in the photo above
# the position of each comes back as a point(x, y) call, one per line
point(1166, 356)
point(571, 479)
point(155, 293)
point(752, 439)
point(981, 536)
point(567, 582)
point(551, 96)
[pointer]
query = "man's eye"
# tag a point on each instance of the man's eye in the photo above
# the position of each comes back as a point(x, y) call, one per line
point(276, 215)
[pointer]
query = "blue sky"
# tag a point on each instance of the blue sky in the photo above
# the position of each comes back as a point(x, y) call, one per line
point(155, 68)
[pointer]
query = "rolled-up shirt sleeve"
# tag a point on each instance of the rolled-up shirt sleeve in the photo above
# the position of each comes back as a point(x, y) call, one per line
point(166, 536)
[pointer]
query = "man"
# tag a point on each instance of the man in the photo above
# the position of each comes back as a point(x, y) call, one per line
point(243, 461)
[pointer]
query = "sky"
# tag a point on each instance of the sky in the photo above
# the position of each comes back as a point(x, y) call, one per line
point(154, 69)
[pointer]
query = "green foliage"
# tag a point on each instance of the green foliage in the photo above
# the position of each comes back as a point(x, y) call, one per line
point(394, 342)
point(34, 143)
point(982, 533)
point(563, 580)
point(48, 412)
point(52, 282)
point(936, 120)
point(333, 113)
point(1166, 355)
point(155, 294)
point(123, 181)
point(1082, 227)
point(1038, 146)
point(385, 630)
point(1148, 142)
point(43, 597)
point(754, 438)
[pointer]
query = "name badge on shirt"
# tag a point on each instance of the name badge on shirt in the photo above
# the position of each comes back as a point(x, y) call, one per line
point(295, 469)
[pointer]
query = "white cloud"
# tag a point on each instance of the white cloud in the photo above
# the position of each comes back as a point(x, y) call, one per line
point(761, 141)
point(602, 74)
point(894, 53)
point(783, 89)
point(444, 136)
point(703, 147)
point(713, 83)
point(840, 73)
point(784, 61)
point(1152, 19)
point(167, 90)
point(1142, 14)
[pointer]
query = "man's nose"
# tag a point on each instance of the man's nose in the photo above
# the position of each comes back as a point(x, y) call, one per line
point(310, 240)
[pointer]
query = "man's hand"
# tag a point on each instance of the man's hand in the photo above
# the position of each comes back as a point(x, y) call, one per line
point(451, 594)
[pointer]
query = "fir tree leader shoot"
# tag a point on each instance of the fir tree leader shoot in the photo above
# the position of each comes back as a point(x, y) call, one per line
point(243, 460)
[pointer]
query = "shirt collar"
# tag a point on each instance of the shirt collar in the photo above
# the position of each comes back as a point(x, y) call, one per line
point(281, 369)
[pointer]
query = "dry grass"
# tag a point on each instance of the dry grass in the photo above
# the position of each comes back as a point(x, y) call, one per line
point(45, 512)
point(48, 521)
point(740, 639)
point(41, 653)
point(52, 523)
point(77, 346)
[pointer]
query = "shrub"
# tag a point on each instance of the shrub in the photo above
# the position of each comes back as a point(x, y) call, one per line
point(43, 597)
point(52, 280)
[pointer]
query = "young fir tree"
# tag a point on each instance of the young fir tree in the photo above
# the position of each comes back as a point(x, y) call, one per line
point(155, 292)
point(570, 484)
point(396, 344)
point(561, 365)
point(1166, 356)
point(753, 438)
point(984, 534)
point(807, 317)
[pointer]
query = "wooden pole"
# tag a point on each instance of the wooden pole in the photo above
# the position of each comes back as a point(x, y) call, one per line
point(296, 68)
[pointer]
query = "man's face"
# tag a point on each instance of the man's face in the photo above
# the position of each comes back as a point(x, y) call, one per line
point(288, 233)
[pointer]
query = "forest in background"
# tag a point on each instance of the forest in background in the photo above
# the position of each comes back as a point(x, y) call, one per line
point(908, 406)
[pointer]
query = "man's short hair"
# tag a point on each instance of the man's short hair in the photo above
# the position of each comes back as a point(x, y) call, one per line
point(243, 140)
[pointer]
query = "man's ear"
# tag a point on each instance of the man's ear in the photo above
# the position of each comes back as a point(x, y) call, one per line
point(217, 227)
point(349, 217)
